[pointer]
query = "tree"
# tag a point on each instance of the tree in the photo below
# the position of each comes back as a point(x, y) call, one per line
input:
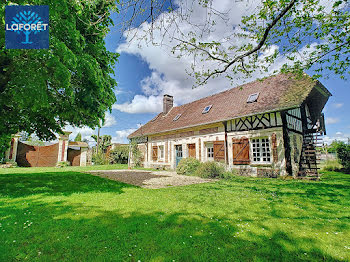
point(78, 138)
point(43, 90)
point(343, 154)
point(104, 142)
point(309, 34)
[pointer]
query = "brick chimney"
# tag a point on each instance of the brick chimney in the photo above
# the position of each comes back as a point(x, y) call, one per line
point(168, 102)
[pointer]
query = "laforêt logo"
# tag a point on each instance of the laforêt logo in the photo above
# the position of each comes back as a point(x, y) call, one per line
point(27, 27)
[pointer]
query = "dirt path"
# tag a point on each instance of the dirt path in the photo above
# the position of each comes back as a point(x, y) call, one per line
point(150, 179)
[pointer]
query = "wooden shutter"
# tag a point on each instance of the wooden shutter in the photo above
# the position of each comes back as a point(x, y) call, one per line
point(155, 153)
point(274, 147)
point(240, 148)
point(219, 151)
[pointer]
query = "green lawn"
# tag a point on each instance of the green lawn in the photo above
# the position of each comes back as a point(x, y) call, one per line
point(49, 214)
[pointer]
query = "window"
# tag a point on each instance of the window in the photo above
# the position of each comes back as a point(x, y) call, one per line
point(261, 150)
point(177, 117)
point(210, 150)
point(161, 152)
point(253, 98)
point(206, 109)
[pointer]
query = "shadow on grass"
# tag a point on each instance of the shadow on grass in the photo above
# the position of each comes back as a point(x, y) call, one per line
point(157, 236)
point(54, 183)
point(71, 230)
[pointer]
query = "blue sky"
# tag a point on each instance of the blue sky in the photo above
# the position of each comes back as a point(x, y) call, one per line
point(145, 74)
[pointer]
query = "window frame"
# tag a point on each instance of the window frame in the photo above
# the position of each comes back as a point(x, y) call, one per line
point(261, 150)
point(207, 111)
point(208, 146)
point(251, 95)
point(161, 153)
point(177, 117)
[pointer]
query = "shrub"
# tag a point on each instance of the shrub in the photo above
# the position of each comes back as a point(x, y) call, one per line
point(119, 155)
point(331, 165)
point(8, 163)
point(63, 164)
point(343, 154)
point(211, 170)
point(187, 166)
point(100, 158)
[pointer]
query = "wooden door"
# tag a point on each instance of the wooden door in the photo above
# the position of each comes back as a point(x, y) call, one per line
point(28, 155)
point(191, 150)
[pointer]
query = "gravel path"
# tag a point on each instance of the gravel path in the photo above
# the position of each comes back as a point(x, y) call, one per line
point(150, 179)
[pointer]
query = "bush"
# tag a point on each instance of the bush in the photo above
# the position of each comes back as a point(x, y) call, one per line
point(119, 155)
point(63, 164)
point(100, 158)
point(343, 154)
point(211, 170)
point(187, 166)
point(331, 165)
point(8, 163)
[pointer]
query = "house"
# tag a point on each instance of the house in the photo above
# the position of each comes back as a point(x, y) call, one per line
point(264, 128)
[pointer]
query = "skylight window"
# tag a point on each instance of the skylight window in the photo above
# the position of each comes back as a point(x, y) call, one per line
point(177, 117)
point(206, 109)
point(253, 98)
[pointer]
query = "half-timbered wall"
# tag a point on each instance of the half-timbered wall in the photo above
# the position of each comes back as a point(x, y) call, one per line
point(294, 121)
point(255, 122)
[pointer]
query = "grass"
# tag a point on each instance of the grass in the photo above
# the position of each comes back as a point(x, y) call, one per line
point(51, 214)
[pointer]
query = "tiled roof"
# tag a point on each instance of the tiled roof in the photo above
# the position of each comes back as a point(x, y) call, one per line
point(275, 93)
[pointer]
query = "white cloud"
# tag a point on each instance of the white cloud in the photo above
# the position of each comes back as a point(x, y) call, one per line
point(169, 72)
point(121, 135)
point(338, 105)
point(339, 136)
point(141, 104)
point(87, 132)
point(109, 120)
point(332, 120)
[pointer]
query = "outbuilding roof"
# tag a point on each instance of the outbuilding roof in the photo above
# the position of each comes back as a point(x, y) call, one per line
point(275, 93)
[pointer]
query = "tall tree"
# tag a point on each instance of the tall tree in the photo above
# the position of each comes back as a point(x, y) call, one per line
point(78, 137)
point(70, 83)
point(309, 34)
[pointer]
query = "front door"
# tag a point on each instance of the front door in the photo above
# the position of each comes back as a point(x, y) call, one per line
point(178, 153)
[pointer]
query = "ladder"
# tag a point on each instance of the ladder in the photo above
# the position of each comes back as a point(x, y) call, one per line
point(309, 158)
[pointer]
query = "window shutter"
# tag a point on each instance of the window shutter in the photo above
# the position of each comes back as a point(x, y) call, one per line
point(274, 147)
point(155, 153)
point(219, 151)
point(240, 149)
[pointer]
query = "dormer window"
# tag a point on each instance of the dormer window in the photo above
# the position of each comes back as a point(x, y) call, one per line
point(177, 117)
point(253, 98)
point(206, 109)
